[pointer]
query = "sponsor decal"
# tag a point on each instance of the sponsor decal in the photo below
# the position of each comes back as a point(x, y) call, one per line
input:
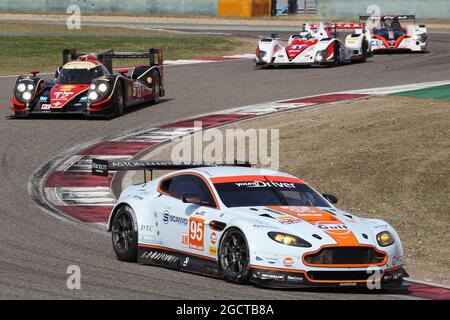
point(196, 233)
point(213, 238)
point(200, 213)
point(185, 240)
point(294, 278)
point(212, 251)
point(288, 262)
point(265, 184)
point(264, 226)
point(333, 227)
point(272, 260)
point(45, 106)
point(259, 258)
point(43, 99)
point(83, 99)
point(271, 276)
point(347, 284)
point(147, 228)
point(186, 261)
point(289, 220)
point(168, 218)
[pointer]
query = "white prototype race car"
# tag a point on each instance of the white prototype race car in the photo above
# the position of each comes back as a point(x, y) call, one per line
point(248, 225)
point(314, 45)
point(389, 35)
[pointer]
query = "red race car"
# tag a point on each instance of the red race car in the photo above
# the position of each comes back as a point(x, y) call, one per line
point(86, 84)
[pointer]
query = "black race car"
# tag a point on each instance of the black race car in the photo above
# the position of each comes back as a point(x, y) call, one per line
point(86, 84)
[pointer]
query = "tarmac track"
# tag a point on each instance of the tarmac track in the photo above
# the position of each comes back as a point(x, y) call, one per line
point(36, 249)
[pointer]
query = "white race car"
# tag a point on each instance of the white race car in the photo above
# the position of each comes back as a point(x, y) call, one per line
point(388, 34)
point(310, 47)
point(248, 225)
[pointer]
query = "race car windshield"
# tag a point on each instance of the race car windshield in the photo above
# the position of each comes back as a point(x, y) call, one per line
point(80, 76)
point(268, 193)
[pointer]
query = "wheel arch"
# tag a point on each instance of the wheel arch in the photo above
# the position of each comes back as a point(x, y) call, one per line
point(116, 210)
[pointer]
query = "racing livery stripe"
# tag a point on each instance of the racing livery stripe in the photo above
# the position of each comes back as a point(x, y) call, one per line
point(330, 224)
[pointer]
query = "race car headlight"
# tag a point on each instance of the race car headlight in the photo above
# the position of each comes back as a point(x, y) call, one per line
point(21, 87)
point(320, 55)
point(288, 239)
point(27, 96)
point(385, 239)
point(93, 96)
point(102, 87)
point(30, 87)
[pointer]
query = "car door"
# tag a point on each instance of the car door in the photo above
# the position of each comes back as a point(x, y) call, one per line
point(184, 226)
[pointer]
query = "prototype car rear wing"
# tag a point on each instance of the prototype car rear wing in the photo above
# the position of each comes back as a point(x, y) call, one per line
point(154, 55)
point(389, 17)
point(103, 167)
point(339, 26)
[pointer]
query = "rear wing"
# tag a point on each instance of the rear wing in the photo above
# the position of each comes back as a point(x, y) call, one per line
point(103, 167)
point(338, 25)
point(389, 17)
point(155, 56)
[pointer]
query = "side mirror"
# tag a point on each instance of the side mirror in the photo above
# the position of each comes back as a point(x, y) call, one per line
point(330, 197)
point(191, 198)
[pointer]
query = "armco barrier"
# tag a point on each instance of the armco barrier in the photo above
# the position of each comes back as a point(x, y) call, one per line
point(237, 8)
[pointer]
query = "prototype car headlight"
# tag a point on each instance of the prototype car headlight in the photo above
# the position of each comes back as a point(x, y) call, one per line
point(27, 96)
point(30, 87)
point(288, 239)
point(21, 87)
point(102, 87)
point(93, 96)
point(320, 56)
point(385, 239)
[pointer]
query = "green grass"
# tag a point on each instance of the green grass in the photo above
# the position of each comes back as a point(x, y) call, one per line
point(42, 49)
point(439, 92)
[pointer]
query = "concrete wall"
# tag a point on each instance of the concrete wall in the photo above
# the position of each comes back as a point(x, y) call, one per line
point(195, 7)
point(423, 9)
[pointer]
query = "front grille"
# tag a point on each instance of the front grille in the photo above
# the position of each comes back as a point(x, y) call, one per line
point(338, 275)
point(346, 256)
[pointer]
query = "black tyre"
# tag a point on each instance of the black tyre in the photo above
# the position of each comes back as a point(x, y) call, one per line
point(337, 54)
point(119, 100)
point(156, 86)
point(365, 48)
point(234, 256)
point(124, 235)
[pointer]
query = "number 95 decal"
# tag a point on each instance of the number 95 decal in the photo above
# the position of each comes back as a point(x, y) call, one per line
point(196, 233)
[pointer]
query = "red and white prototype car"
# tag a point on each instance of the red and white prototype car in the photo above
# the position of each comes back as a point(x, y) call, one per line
point(314, 45)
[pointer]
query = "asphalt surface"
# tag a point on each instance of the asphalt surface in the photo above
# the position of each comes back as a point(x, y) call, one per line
point(36, 248)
